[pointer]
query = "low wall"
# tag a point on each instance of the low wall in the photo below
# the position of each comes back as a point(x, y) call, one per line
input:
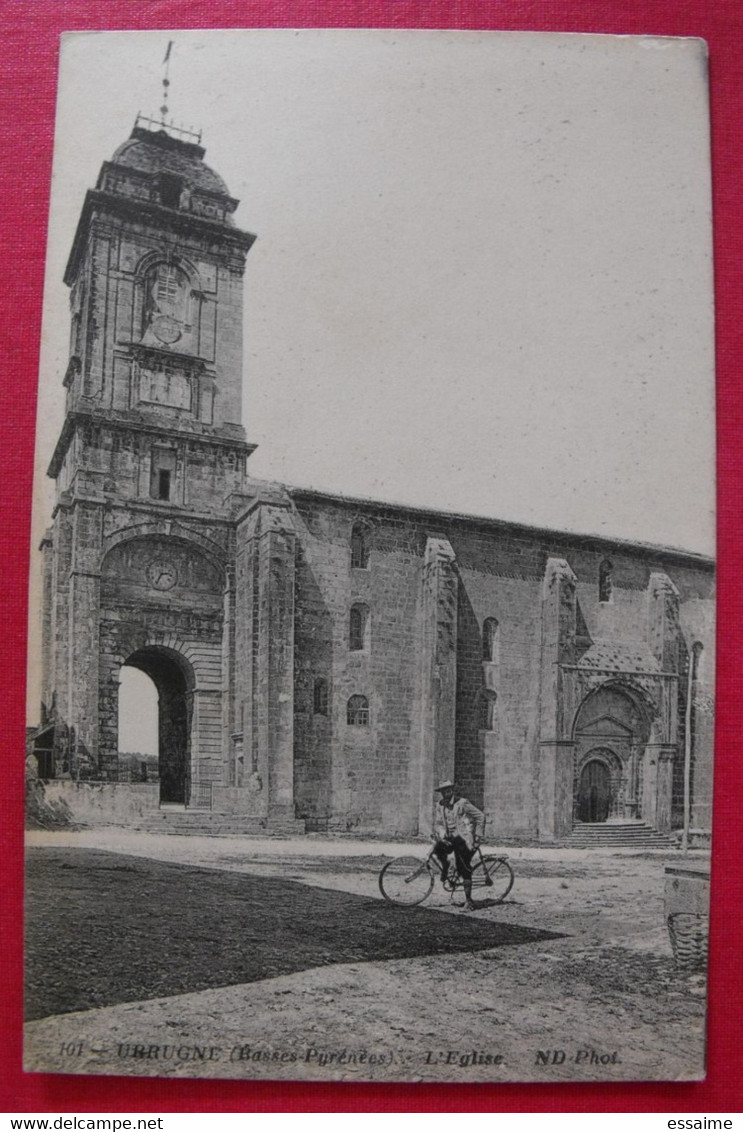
point(238, 800)
point(102, 803)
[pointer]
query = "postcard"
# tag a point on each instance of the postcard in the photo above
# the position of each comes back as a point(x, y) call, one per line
point(372, 649)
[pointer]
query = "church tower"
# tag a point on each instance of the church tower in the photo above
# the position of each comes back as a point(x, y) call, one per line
point(149, 462)
point(321, 662)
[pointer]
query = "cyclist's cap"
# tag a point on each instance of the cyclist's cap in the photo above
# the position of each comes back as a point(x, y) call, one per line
point(444, 786)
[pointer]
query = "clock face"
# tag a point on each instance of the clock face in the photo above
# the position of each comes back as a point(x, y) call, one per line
point(166, 329)
point(162, 575)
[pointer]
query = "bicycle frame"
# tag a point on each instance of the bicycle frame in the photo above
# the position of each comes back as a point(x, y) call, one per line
point(453, 880)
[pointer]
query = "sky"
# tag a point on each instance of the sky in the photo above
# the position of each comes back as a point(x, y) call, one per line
point(482, 280)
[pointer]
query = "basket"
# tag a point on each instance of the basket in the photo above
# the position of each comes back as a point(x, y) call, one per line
point(689, 932)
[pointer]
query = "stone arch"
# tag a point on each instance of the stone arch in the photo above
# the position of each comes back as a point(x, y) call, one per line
point(641, 702)
point(153, 258)
point(614, 719)
point(594, 802)
point(168, 644)
point(168, 579)
point(167, 297)
point(162, 596)
point(174, 678)
point(166, 528)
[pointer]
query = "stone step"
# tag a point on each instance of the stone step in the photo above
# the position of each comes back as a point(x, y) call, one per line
point(612, 835)
point(609, 833)
point(633, 834)
point(639, 845)
point(619, 836)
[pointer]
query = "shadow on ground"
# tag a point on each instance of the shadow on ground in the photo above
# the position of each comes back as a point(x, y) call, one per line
point(102, 928)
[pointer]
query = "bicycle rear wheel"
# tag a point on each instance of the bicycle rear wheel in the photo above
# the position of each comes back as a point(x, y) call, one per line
point(405, 881)
point(492, 878)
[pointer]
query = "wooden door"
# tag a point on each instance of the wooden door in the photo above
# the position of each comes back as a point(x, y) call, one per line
point(594, 795)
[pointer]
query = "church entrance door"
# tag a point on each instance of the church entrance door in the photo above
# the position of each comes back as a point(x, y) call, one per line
point(594, 792)
point(171, 678)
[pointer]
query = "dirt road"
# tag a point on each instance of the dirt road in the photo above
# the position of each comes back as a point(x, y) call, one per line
point(571, 978)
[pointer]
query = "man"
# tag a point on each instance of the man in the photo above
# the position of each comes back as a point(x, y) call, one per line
point(458, 827)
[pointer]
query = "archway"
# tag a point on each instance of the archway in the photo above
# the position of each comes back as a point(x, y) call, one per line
point(173, 678)
point(596, 791)
point(610, 732)
point(137, 730)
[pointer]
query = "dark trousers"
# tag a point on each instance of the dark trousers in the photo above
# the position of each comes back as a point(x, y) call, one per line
point(462, 855)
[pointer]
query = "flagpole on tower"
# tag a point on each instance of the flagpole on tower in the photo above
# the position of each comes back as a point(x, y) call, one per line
point(166, 83)
point(160, 121)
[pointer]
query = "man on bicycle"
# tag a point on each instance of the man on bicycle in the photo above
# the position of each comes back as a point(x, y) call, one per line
point(458, 827)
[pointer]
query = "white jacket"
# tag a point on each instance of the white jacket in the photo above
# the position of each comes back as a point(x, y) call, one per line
point(469, 822)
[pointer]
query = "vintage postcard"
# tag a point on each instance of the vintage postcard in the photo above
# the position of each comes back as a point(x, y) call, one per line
point(371, 701)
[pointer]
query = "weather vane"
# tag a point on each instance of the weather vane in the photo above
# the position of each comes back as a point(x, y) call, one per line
point(166, 83)
point(162, 123)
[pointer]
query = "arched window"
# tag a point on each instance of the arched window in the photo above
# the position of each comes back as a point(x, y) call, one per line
point(357, 711)
point(166, 313)
point(605, 580)
point(358, 627)
point(359, 547)
point(487, 710)
point(321, 696)
point(490, 639)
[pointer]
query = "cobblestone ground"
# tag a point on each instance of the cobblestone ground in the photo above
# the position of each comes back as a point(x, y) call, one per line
point(306, 972)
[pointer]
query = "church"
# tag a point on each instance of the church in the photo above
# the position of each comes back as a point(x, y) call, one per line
point(322, 662)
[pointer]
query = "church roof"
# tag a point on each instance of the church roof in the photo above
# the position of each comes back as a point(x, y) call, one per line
point(156, 151)
point(557, 537)
point(150, 160)
point(619, 656)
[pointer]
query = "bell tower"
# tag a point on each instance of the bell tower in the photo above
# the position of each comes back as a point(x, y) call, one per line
point(155, 278)
point(151, 454)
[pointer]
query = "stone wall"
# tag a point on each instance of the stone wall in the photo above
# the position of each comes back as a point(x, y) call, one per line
point(102, 803)
point(373, 777)
point(336, 658)
point(360, 774)
point(112, 285)
point(182, 621)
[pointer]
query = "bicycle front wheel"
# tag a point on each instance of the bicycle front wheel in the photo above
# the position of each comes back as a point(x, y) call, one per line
point(405, 881)
point(492, 878)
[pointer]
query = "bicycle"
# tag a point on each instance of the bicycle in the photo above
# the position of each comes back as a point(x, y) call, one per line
point(407, 881)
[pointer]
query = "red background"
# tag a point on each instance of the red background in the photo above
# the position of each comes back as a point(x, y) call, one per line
point(28, 67)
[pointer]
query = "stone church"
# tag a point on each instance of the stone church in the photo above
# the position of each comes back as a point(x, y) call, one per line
point(322, 662)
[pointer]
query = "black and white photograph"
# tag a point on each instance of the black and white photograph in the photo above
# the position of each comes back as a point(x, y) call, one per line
point(371, 649)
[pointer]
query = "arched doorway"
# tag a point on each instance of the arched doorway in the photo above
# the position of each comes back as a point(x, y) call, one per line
point(137, 730)
point(610, 732)
point(173, 678)
point(594, 792)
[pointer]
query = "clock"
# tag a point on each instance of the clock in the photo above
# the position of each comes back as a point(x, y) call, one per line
point(166, 329)
point(162, 575)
